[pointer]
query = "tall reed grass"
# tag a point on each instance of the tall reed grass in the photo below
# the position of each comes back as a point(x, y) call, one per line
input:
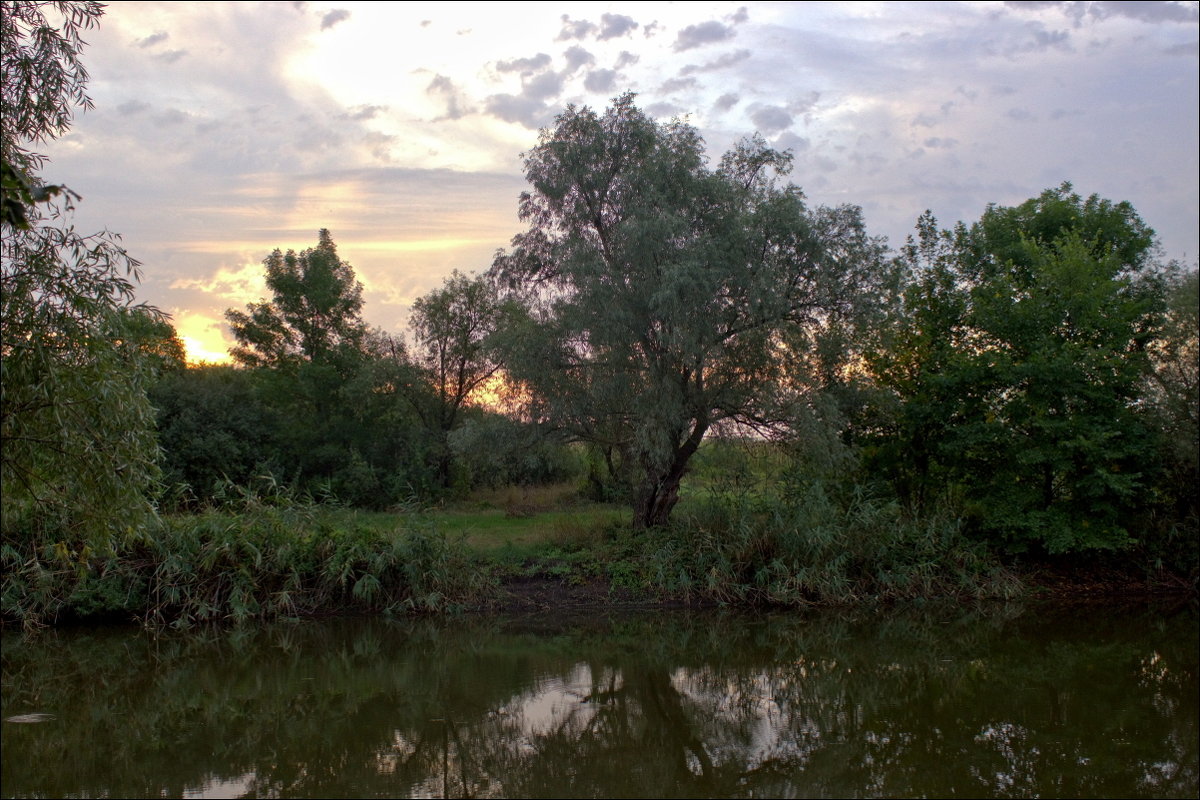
point(259, 562)
point(807, 545)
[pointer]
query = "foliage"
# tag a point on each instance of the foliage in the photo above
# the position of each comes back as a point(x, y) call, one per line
point(76, 428)
point(1017, 361)
point(314, 317)
point(255, 560)
point(775, 527)
point(213, 428)
point(454, 329)
point(658, 288)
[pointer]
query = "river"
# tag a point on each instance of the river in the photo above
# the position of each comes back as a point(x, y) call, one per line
point(1075, 700)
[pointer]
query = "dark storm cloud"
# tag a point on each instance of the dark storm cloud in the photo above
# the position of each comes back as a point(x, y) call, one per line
point(721, 62)
point(705, 33)
point(577, 57)
point(524, 66)
point(153, 39)
point(575, 29)
point(331, 18)
point(614, 25)
point(600, 80)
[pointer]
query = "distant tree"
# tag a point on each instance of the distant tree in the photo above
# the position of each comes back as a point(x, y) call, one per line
point(314, 316)
point(453, 329)
point(76, 430)
point(658, 289)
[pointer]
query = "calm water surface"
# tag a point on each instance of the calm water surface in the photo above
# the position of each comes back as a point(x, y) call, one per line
point(935, 701)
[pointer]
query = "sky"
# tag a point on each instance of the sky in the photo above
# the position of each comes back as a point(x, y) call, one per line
point(222, 131)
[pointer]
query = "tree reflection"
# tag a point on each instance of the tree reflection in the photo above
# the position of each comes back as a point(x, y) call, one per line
point(989, 704)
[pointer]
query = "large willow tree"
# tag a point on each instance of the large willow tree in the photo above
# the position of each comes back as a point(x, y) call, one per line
point(660, 290)
point(76, 428)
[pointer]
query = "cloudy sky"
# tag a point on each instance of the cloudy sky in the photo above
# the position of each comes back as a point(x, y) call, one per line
point(224, 130)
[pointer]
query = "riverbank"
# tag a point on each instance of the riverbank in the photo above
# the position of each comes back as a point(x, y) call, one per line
point(292, 561)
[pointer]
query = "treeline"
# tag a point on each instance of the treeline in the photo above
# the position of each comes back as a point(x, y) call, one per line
point(1024, 384)
point(323, 407)
point(1032, 373)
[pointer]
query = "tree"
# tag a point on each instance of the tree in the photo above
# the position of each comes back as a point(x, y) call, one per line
point(78, 451)
point(453, 328)
point(657, 288)
point(315, 316)
point(1020, 381)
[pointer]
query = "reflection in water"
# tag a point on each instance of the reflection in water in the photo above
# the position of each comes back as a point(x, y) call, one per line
point(1000, 702)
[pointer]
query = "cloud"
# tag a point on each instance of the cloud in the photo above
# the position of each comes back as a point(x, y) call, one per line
point(575, 29)
point(1021, 115)
point(600, 80)
point(726, 101)
point(676, 84)
point(331, 18)
point(527, 111)
point(546, 85)
point(363, 112)
point(941, 141)
point(132, 107)
point(626, 59)
point(805, 104)
point(660, 110)
point(721, 62)
point(1184, 49)
point(524, 66)
point(170, 56)
point(792, 142)
point(153, 39)
point(770, 119)
point(442, 86)
point(705, 33)
point(1144, 11)
point(172, 116)
point(651, 30)
point(614, 25)
point(577, 57)
point(739, 16)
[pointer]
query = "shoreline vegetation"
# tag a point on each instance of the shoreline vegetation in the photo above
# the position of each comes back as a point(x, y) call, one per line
point(530, 549)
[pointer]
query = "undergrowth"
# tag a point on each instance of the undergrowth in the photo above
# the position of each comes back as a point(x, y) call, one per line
point(258, 562)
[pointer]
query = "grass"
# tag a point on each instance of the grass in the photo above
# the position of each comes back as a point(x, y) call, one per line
point(739, 545)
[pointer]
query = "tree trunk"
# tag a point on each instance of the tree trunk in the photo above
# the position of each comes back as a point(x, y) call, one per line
point(659, 492)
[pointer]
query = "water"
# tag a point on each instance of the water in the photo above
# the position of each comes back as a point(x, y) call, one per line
point(931, 701)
